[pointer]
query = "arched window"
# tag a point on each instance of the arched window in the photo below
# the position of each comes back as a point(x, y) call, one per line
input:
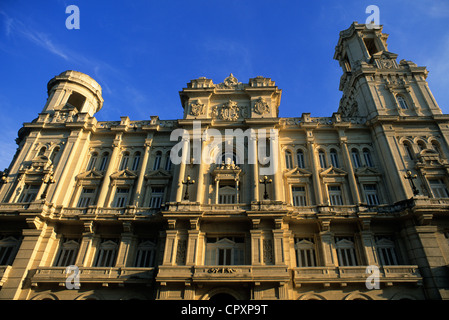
point(356, 158)
point(288, 160)
point(167, 162)
point(54, 153)
point(41, 151)
point(92, 161)
point(322, 158)
point(401, 102)
point(421, 145)
point(300, 159)
point(334, 158)
point(157, 160)
point(125, 159)
point(136, 161)
point(367, 157)
point(104, 161)
point(408, 150)
point(436, 146)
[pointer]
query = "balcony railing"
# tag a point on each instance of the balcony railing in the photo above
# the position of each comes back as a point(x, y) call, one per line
point(93, 275)
point(231, 273)
point(388, 274)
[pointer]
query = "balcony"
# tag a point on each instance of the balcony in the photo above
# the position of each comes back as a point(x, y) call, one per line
point(104, 276)
point(356, 274)
point(230, 273)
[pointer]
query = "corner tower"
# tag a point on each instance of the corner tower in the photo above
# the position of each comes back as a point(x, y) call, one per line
point(374, 83)
point(73, 91)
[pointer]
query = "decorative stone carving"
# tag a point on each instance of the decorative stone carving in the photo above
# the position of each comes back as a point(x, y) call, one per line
point(267, 251)
point(261, 106)
point(197, 108)
point(229, 111)
point(181, 252)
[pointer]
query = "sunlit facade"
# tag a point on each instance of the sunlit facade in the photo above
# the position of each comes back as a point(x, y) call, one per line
point(364, 189)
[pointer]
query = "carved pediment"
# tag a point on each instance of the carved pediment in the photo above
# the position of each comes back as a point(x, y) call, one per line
point(158, 174)
point(91, 174)
point(333, 172)
point(298, 172)
point(367, 171)
point(124, 174)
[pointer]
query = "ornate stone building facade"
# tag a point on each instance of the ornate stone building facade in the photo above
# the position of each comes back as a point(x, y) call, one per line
point(363, 190)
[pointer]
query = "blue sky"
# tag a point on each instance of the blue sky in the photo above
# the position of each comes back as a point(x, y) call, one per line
point(143, 52)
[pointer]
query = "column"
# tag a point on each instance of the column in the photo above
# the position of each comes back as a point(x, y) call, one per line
point(68, 166)
point(316, 174)
point(111, 165)
point(170, 244)
point(193, 243)
point(277, 178)
point(139, 192)
point(279, 235)
point(351, 176)
point(182, 168)
point(200, 182)
point(256, 243)
point(125, 245)
point(254, 164)
point(86, 243)
point(327, 243)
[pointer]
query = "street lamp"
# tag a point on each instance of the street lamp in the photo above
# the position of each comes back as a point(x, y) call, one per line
point(408, 175)
point(265, 181)
point(187, 183)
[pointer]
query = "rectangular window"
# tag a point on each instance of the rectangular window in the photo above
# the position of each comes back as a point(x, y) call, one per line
point(225, 251)
point(8, 249)
point(157, 194)
point(68, 251)
point(346, 251)
point(146, 253)
point(371, 196)
point(87, 197)
point(107, 253)
point(305, 252)
point(299, 196)
point(121, 197)
point(335, 195)
point(226, 195)
point(385, 247)
point(29, 192)
point(439, 188)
